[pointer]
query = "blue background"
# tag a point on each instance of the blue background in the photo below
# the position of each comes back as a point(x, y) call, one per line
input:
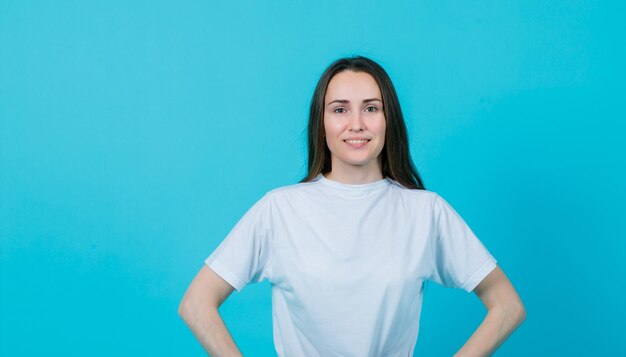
point(134, 134)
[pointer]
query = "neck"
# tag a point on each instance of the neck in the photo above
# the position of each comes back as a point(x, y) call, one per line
point(354, 175)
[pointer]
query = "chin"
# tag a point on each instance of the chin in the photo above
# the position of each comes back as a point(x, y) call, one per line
point(360, 163)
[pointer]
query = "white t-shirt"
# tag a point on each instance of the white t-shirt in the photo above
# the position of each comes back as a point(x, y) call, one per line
point(347, 263)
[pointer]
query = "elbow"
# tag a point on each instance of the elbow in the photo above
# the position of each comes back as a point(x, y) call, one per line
point(517, 313)
point(182, 309)
point(185, 310)
point(512, 313)
point(521, 313)
point(192, 308)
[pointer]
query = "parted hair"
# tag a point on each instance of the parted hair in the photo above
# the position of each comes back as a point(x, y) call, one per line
point(395, 157)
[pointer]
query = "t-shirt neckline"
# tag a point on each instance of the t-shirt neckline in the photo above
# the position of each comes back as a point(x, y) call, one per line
point(352, 187)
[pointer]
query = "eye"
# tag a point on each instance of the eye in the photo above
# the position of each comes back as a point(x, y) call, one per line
point(371, 109)
point(339, 110)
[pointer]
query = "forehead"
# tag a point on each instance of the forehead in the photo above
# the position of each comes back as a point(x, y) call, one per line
point(351, 85)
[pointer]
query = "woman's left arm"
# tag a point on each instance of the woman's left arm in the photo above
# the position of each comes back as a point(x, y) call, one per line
point(505, 312)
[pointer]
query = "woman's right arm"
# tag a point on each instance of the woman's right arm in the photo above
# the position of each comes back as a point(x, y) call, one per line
point(199, 311)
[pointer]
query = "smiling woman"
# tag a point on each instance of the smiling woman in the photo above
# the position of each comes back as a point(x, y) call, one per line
point(348, 249)
point(354, 126)
point(374, 86)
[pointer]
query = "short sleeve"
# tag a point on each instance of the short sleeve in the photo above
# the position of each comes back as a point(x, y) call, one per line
point(244, 256)
point(460, 259)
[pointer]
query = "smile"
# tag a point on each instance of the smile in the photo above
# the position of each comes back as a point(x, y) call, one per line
point(356, 141)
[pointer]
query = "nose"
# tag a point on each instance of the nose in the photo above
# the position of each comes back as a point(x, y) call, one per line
point(356, 123)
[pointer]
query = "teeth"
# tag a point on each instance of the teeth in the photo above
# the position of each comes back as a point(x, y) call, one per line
point(359, 141)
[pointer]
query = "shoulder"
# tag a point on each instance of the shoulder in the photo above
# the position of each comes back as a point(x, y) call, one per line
point(284, 192)
point(301, 186)
point(414, 194)
point(291, 189)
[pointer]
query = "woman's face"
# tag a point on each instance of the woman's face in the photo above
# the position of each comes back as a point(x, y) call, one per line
point(354, 122)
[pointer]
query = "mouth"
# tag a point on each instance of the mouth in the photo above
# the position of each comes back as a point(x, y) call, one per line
point(356, 141)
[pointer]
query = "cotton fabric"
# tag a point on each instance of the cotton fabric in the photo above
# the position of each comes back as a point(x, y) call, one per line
point(347, 263)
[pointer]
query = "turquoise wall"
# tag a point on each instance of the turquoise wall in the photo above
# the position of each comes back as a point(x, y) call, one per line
point(134, 134)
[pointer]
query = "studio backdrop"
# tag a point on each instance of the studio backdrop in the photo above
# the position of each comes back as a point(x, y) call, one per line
point(134, 135)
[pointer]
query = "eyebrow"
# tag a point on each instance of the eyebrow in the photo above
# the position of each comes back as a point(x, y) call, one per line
point(345, 101)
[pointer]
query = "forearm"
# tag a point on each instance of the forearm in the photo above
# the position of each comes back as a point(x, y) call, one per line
point(209, 329)
point(492, 332)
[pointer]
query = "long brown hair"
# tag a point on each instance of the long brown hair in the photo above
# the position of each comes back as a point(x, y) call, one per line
point(395, 156)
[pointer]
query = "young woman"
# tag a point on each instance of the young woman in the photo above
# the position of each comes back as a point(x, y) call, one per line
point(348, 249)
